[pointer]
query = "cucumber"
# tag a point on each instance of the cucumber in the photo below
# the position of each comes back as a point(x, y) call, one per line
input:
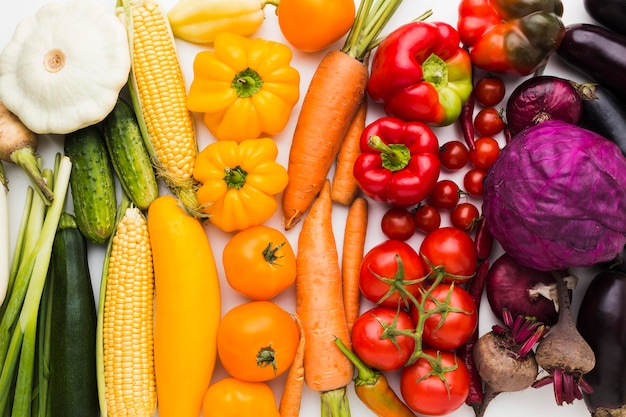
point(129, 155)
point(92, 183)
point(73, 389)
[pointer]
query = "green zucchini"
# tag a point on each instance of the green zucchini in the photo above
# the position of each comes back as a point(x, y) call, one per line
point(73, 389)
point(129, 155)
point(92, 183)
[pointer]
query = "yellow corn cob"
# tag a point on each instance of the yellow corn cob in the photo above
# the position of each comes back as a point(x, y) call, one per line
point(127, 322)
point(160, 96)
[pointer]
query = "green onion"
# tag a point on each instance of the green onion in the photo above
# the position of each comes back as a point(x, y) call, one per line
point(20, 318)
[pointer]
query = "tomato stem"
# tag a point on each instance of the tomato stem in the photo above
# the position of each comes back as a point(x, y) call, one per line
point(269, 253)
point(267, 357)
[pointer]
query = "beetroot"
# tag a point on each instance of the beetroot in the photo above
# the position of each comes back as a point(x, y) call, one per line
point(565, 354)
point(504, 357)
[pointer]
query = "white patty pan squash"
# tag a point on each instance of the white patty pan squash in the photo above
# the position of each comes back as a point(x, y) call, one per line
point(65, 66)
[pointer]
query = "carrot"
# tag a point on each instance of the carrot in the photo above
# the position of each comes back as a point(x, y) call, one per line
point(344, 187)
point(335, 93)
point(338, 85)
point(291, 398)
point(353, 248)
point(319, 304)
point(187, 309)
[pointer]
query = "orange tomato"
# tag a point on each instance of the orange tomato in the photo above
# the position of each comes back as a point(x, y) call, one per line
point(232, 397)
point(257, 341)
point(259, 262)
point(312, 25)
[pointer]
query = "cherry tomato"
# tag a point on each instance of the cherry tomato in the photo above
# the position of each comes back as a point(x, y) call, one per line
point(424, 390)
point(473, 181)
point(453, 155)
point(445, 195)
point(371, 343)
point(465, 216)
point(312, 25)
point(398, 223)
point(427, 218)
point(393, 261)
point(486, 152)
point(257, 341)
point(488, 122)
point(453, 317)
point(451, 252)
point(259, 251)
point(489, 91)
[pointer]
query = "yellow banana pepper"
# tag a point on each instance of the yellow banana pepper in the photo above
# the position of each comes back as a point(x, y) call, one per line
point(239, 182)
point(245, 87)
point(199, 21)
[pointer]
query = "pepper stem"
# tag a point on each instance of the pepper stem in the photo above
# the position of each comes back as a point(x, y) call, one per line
point(366, 375)
point(235, 177)
point(395, 156)
point(247, 83)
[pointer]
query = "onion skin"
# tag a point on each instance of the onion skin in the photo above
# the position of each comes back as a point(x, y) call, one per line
point(542, 98)
point(509, 285)
point(602, 323)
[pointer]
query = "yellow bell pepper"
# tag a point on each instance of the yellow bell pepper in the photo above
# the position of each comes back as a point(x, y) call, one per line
point(199, 21)
point(231, 397)
point(239, 182)
point(245, 87)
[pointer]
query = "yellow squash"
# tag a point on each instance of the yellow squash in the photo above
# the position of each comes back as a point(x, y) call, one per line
point(187, 309)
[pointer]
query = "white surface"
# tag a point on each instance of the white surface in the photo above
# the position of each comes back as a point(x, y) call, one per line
point(536, 402)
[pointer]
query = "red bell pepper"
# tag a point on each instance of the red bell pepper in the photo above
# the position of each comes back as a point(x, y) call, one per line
point(421, 73)
point(399, 161)
point(510, 36)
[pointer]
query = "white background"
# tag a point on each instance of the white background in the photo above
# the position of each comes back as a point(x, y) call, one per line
point(536, 402)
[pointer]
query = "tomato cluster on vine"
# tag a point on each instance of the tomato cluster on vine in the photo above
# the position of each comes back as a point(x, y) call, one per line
point(423, 313)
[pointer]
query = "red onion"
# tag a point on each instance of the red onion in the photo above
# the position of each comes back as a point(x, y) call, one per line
point(522, 290)
point(542, 98)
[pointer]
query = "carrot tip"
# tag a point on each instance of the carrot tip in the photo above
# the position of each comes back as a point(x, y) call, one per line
point(293, 219)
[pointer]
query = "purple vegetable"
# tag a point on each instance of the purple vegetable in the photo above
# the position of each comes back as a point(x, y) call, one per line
point(505, 359)
point(556, 197)
point(602, 322)
point(564, 354)
point(522, 290)
point(542, 98)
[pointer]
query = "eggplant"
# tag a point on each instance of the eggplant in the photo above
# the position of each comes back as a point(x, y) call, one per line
point(609, 13)
point(598, 53)
point(602, 323)
point(603, 113)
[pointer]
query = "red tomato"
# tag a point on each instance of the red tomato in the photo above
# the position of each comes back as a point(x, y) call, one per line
point(424, 390)
point(371, 343)
point(386, 267)
point(486, 152)
point(465, 216)
point(427, 218)
point(398, 223)
point(489, 91)
point(473, 181)
point(488, 122)
point(445, 195)
point(451, 252)
point(454, 321)
point(453, 155)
